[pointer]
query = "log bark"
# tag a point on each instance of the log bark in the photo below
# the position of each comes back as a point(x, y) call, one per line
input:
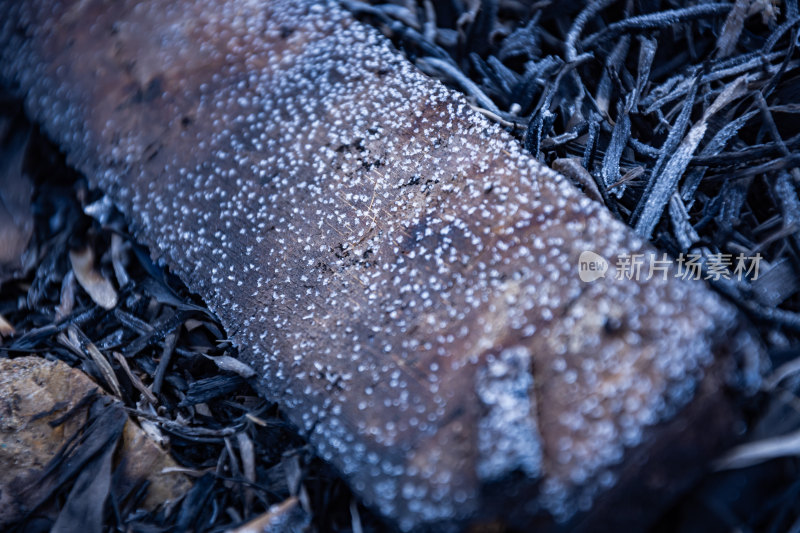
point(402, 276)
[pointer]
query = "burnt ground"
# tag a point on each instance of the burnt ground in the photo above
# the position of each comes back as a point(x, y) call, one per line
point(683, 118)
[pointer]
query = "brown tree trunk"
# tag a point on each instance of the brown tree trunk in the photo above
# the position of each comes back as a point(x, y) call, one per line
point(403, 277)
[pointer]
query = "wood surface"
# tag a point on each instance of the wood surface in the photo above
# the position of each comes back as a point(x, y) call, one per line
point(403, 278)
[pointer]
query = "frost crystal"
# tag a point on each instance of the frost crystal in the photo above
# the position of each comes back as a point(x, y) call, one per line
point(507, 437)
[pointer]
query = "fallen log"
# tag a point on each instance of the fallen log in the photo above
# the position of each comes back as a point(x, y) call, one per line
point(402, 276)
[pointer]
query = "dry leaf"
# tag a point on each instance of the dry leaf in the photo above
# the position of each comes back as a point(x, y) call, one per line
point(98, 287)
point(6, 329)
point(759, 451)
point(231, 364)
point(16, 217)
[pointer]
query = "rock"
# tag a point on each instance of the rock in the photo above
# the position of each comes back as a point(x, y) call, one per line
point(34, 394)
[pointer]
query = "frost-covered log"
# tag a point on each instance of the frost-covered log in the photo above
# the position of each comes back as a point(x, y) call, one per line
point(404, 279)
